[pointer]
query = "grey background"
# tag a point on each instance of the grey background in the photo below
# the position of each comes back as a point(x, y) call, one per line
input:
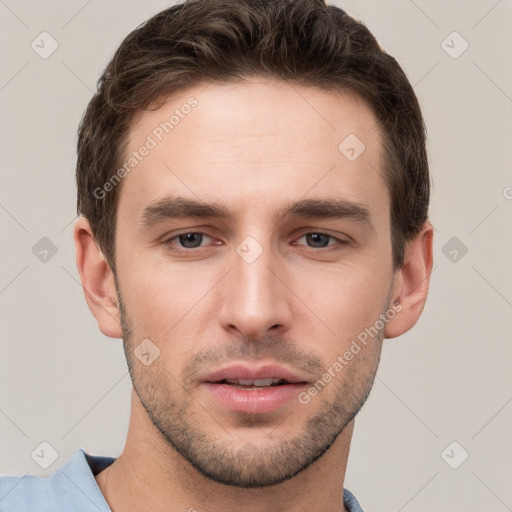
point(449, 379)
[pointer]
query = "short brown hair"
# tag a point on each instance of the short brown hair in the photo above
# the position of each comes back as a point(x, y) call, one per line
point(304, 42)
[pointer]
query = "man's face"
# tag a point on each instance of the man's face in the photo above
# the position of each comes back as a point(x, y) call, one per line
point(254, 287)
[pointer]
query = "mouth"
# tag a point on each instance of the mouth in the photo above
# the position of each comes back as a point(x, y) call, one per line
point(253, 390)
point(259, 376)
point(253, 384)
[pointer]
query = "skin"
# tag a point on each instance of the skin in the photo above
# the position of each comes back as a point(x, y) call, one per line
point(251, 147)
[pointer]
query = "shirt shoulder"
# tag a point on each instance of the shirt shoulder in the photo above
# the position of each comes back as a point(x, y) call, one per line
point(25, 492)
point(73, 487)
point(70, 487)
point(350, 501)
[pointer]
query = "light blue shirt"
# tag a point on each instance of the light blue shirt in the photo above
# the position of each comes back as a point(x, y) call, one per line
point(72, 488)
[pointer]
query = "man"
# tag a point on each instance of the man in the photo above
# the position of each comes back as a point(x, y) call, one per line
point(253, 188)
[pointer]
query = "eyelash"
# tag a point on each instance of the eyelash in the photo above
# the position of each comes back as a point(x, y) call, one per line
point(181, 250)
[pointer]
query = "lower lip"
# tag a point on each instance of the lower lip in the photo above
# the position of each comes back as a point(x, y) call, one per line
point(254, 400)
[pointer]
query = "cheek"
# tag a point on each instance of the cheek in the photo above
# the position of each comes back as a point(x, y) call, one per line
point(347, 304)
point(167, 298)
point(159, 297)
point(347, 299)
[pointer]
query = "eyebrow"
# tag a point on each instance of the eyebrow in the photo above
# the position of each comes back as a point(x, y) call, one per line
point(174, 207)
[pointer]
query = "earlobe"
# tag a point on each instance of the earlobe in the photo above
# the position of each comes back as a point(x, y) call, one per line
point(97, 280)
point(412, 282)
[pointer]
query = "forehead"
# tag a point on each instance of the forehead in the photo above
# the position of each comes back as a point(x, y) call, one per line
point(265, 139)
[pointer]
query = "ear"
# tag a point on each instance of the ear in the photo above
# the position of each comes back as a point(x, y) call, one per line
point(410, 287)
point(97, 280)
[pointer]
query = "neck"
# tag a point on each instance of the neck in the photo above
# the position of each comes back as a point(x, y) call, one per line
point(151, 475)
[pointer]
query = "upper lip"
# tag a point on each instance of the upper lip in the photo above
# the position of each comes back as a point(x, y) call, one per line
point(244, 372)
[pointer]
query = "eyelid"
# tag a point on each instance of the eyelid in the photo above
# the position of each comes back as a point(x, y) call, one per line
point(167, 239)
point(306, 231)
point(337, 235)
point(336, 238)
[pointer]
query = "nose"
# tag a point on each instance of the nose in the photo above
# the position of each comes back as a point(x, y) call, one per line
point(255, 298)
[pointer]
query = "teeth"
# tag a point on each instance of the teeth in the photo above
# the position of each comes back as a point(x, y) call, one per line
point(259, 382)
